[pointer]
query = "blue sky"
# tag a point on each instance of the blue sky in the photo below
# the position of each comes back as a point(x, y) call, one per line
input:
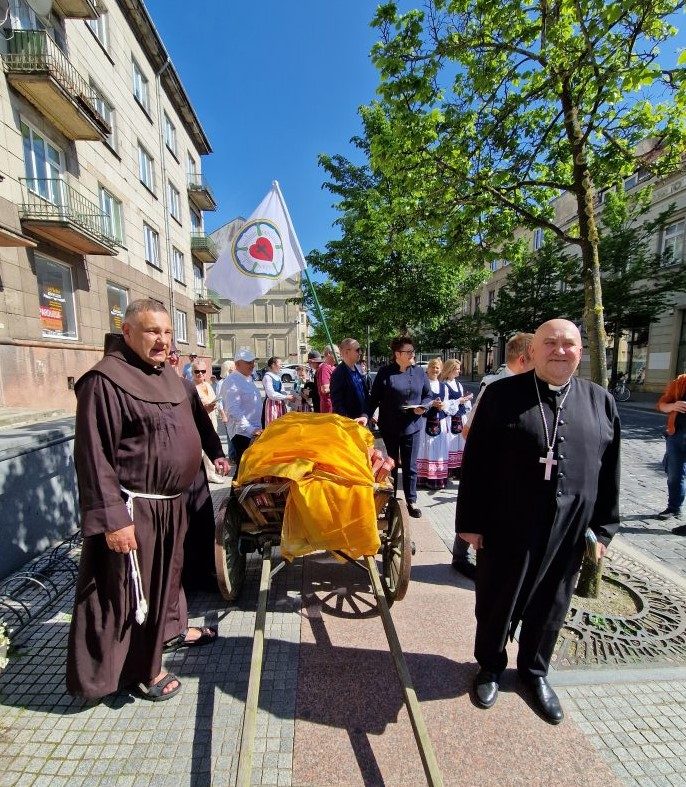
point(274, 83)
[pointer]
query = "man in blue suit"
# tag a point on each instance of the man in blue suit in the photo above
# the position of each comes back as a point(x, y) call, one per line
point(349, 394)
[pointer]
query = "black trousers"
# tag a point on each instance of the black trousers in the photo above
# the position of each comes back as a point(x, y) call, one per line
point(406, 446)
point(240, 443)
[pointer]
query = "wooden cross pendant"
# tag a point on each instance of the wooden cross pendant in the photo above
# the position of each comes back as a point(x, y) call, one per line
point(548, 461)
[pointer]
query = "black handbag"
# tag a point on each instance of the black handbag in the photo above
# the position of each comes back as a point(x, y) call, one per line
point(433, 423)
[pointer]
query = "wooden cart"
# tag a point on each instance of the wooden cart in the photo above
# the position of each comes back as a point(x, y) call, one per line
point(250, 519)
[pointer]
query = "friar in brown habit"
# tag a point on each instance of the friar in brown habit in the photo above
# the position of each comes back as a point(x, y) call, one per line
point(137, 449)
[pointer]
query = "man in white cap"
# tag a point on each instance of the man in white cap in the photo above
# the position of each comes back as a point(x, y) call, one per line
point(242, 403)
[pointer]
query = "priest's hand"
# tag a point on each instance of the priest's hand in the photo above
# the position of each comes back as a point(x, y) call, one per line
point(222, 466)
point(122, 540)
point(600, 551)
point(474, 539)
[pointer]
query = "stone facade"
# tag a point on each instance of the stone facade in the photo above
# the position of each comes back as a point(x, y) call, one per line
point(660, 351)
point(100, 152)
point(272, 325)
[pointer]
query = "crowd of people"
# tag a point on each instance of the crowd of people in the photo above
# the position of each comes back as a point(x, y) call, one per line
point(539, 443)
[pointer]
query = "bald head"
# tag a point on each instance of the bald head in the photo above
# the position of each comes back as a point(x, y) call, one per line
point(556, 351)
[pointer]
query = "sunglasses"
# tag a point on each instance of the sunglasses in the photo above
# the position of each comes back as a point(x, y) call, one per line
point(199, 371)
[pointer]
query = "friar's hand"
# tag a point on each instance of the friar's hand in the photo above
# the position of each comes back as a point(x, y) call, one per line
point(122, 540)
point(474, 539)
point(222, 466)
point(362, 420)
point(600, 551)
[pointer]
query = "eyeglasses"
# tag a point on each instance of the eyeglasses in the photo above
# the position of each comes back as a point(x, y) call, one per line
point(199, 371)
point(407, 352)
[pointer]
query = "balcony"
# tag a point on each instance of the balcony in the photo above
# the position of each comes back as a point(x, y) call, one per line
point(203, 248)
point(38, 69)
point(55, 211)
point(78, 9)
point(199, 193)
point(206, 302)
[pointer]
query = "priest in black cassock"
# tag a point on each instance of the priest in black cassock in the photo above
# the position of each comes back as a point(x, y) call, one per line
point(541, 466)
point(137, 450)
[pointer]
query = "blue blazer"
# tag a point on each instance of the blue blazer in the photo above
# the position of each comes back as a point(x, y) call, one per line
point(346, 398)
point(391, 390)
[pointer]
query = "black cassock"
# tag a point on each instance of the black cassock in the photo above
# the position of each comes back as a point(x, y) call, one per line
point(534, 529)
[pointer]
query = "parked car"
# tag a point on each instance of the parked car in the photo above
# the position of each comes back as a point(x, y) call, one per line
point(288, 373)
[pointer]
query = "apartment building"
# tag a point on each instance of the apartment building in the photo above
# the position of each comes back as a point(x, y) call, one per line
point(275, 324)
point(655, 354)
point(102, 194)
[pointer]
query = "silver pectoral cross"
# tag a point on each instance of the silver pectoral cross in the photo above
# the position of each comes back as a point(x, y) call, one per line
point(548, 461)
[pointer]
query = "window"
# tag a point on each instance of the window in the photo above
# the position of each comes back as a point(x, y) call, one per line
point(638, 177)
point(174, 201)
point(191, 165)
point(477, 303)
point(106, 111)
point(152, 246)
point(178, 265)
point(198, 281)
point(146, 169)
point(23, 17)
point(491, 298)
point(44, 165)
point(56, 299)
point(100, 29)
point(141, 90)
point(538, 238)
point(196, 221)
point(200, 329)
point(495, 265)
point(117, 301)
point(673, 242)
point(113, 221)
point(180, 326)
point(169, 134)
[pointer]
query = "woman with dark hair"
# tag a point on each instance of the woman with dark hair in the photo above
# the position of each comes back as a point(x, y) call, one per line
point(401, 392)
point(275, 402)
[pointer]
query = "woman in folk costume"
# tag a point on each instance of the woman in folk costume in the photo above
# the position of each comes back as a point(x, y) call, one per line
point(458, 407)
point(432, 459)
point(275, 403)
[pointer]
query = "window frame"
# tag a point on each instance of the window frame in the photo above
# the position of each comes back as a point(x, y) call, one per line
point(681, 233)
point(200, 330)
point(150, 233)
point(56, 197)
point(539, 238)
point(180, 326)
point(101, 31)
point(110, 115)
point(170, 127)
point(140, 85)
point(174, 198)
point(117, 232)
point(178, 255)
point(143, 158)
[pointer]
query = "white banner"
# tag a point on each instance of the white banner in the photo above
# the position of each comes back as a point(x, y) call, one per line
point(264, 252)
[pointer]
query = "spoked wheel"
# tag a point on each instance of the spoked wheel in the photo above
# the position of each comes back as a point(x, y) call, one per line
point(230, 564)
point(622, 394)
point(396, 551)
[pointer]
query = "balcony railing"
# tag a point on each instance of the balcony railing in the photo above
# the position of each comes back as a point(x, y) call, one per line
point(206, 302)
point(200, 193)
point(203, 247)
point(53, 200)
point(34, 52)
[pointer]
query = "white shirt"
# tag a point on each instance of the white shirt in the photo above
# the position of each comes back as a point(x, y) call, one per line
point(242, 404)
point(268, 385)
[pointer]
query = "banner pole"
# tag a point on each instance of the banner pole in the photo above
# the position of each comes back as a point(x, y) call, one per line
point(320, 313)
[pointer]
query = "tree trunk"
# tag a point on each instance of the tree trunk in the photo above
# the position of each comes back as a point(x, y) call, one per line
point(588, 240)
point(593, 297)
point(590, 577)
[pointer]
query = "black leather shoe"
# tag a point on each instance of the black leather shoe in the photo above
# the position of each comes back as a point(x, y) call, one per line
point(485, 688)
point(547, 701)
point(413, 511)
point(666, 515)
point(465, 568)
point(679, 531)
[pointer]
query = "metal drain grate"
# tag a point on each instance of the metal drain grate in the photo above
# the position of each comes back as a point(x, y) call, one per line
point(654, 636)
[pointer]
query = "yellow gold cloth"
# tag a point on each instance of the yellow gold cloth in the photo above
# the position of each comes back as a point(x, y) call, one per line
point(330, 504)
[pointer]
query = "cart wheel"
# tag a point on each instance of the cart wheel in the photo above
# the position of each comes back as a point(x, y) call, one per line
point(396, 552)
point(230, 564)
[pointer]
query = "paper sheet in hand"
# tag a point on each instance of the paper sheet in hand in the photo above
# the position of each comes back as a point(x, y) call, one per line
point(412, 406)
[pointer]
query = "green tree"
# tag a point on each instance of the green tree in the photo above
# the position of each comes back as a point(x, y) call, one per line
point(536, 290)
point(389, 269)
point(495, 108)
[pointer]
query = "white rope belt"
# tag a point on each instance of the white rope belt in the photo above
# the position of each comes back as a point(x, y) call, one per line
point(134, 568)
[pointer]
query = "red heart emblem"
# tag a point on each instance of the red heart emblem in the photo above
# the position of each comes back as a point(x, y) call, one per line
point(262, 249)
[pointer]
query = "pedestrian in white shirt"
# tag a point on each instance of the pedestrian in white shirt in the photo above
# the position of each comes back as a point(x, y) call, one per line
point(242, 404)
